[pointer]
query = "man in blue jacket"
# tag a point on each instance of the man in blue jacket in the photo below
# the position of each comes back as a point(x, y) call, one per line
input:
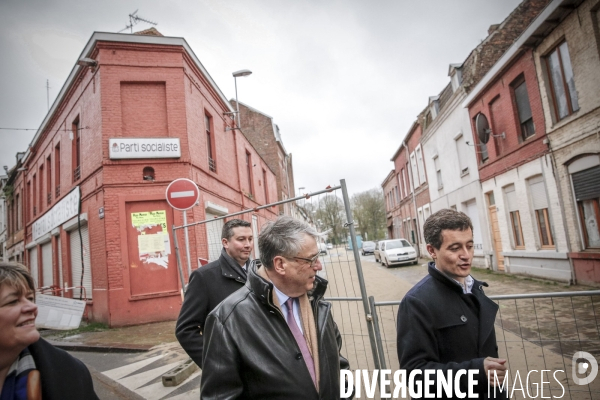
point(446, 322)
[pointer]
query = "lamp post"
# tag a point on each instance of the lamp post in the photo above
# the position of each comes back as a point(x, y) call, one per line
point(236, 74)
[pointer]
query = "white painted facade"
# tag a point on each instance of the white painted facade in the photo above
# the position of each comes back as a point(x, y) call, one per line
point(533, 259)
point(454, 181)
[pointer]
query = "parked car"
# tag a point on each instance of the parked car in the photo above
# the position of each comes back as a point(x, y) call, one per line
point(396, 251)
point(329, 246)
point(322, 248)
point(368, 248)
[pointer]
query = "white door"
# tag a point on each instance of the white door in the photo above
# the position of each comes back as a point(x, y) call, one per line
point(47, 272)
point(33, 266)
point(76, 251)
point(213, 236)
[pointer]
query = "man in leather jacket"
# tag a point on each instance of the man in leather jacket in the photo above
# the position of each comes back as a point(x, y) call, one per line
point(212, 283)
point(275, 338)
point(446, 322)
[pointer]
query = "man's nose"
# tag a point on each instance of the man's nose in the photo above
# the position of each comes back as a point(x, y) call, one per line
point(318, 265)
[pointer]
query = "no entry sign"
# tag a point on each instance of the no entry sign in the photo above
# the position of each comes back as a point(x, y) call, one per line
point(182, 194)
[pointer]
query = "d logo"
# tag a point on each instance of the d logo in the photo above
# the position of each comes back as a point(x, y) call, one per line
point(581, 367)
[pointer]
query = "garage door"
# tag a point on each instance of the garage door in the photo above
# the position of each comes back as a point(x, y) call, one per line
point(47, 273)
point(76, 251)
point(33, 266)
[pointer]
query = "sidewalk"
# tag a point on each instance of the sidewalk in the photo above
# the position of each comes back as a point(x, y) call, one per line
point(137, 338)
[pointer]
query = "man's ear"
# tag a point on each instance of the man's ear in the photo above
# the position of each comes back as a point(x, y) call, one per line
point(225, 242)
point(278, 265)
point(431, 250)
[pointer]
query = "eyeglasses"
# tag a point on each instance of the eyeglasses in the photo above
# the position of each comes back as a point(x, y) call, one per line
point(311, 261)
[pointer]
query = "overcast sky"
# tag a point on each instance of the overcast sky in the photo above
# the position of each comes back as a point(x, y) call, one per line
point(344, 80)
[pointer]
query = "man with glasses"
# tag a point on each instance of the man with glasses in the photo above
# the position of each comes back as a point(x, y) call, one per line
point(275, 338)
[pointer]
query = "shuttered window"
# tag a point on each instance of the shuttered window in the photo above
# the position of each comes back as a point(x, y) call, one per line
point(539, 200)
point(515, 218)
point(76, 267)
point(33, 266)
point(47, 273)
point(586, 185)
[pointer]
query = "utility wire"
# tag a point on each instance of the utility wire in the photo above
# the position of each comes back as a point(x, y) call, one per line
point(59, 130)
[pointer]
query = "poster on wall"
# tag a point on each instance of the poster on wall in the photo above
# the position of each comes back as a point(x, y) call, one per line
point(152, 247)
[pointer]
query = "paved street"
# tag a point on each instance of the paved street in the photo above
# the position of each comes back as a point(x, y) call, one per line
point(138, 374)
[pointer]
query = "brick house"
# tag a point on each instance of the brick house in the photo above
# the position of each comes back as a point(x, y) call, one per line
point(264, 135)
point(518, 168)
point(391, 196)
point(567, 59)
point(413, 189)
point(136, 112)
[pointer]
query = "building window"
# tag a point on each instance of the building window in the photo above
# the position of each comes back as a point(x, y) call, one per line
point(521, 99)
point(515, 218)
point(404, 183)
point(148, 174)
point(562, 83)
point(76, 150)
point(461, 150)
point(265, 187)
point(249, 172)
point(539, 200)
point(210, 145)
point(57, 170)
point(438, 172)
point(415, 170)
point(49, 180)
point(34, 195)
point(586, 185)
point(41, 189)
point(421, 163)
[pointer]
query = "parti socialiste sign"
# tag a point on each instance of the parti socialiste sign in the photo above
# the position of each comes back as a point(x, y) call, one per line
point(123, 148)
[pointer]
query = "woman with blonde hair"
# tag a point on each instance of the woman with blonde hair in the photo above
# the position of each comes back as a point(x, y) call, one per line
point(30, 367)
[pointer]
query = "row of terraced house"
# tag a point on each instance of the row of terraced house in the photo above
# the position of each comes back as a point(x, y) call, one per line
point(84, 207)
point(513, 141)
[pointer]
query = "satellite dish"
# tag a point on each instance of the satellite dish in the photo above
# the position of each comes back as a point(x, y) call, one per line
point(483, 128)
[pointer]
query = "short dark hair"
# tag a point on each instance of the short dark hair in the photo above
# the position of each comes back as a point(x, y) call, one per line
point(444, 219)
point(227, 231)
point(283, 237)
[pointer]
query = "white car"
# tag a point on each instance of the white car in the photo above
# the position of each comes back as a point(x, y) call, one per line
point(322, 248)
point(397, 251)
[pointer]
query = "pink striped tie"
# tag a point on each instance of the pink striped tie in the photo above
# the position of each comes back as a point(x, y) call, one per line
point(300, 338)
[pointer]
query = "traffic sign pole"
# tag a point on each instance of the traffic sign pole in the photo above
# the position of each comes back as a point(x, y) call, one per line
point(182, 194)
point(187, 244)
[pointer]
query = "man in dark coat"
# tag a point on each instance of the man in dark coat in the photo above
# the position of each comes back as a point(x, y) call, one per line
point(446, 322)
point(213, 283)
point(275, 338)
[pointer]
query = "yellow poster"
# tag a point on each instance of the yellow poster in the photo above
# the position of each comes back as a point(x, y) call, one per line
point(149, 219)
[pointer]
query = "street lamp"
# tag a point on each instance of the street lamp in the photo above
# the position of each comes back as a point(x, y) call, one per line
point(236, 74)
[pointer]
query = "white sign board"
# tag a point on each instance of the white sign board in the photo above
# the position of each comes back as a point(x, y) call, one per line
point(58, 312)
point(122, 148)
point(62, 211)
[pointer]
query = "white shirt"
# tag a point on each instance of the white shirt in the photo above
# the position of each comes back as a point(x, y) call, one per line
point(282, 297)
point(467, 286)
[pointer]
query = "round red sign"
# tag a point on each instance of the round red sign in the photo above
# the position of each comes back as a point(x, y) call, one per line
point(182, 194)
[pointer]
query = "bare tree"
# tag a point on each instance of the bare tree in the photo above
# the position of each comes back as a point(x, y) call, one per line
point(330, 215)
point(368, 209)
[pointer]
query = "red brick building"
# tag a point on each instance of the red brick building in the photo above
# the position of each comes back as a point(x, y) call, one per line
point(264, 135)
point(137, 112)
point(525, 218)
point(409, 167)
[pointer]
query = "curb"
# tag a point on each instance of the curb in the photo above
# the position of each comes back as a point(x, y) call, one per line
point(100, 348)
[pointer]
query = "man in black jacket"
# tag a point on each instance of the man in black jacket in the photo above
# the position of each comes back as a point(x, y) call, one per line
point(213, 283)
point(275, 338)
point(446, 322)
